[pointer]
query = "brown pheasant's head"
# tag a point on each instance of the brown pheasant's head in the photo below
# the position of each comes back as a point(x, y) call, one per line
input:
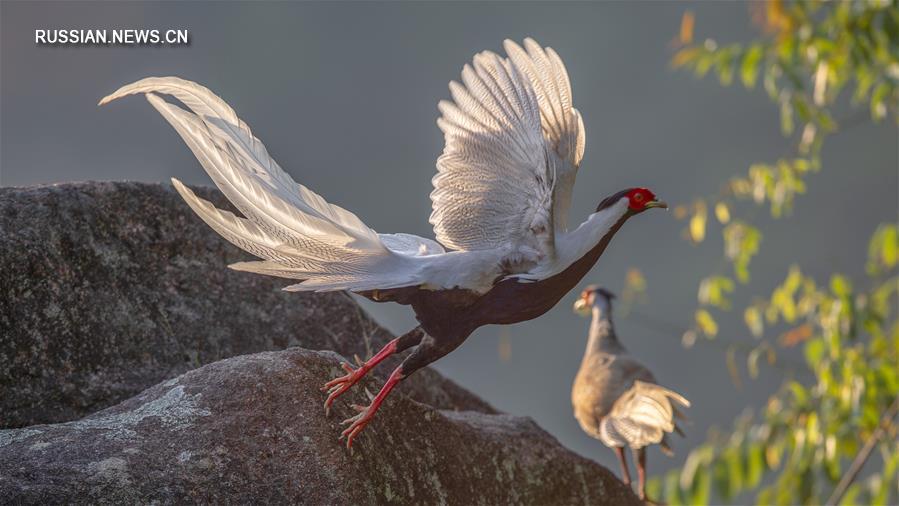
point(591, 296)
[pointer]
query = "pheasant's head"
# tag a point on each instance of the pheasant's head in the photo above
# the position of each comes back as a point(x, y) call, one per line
point(638, 200)
point(593, 295)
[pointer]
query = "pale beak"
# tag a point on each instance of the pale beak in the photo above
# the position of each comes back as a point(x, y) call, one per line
point(657, 203)
point(581, 307)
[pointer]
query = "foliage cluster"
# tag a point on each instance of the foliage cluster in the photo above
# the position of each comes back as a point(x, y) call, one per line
point(806, 444)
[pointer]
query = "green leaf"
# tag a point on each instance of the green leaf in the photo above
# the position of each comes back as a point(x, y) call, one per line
point(814, 352)
point(840, 286)
point(800, 394)
point(878, 101)
point(883, 249)
point(741, 243)
point(672, 489)
point(786, 117)
point(753, 318)
point(706, 323)
point(755, 465)
point(721, 479)
point(724, 64)
point(850, 498)
point(735, 470)
point(702, 487)
point(749, 68)
point(713, 291)
point(654, 487)
point(889, 253)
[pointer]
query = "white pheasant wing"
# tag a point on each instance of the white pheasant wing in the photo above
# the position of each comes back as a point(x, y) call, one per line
point(513, 143)
point(563, 127)
point(298, 233)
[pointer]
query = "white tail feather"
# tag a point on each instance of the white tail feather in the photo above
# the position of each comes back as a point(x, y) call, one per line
point(641, 416)
point(300, 235)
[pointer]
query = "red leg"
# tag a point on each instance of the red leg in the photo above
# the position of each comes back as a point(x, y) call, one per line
point(622, 460)
point(337, 386)
point(366, 413)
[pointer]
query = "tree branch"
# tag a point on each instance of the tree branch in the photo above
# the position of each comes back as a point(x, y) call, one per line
point(863, 455)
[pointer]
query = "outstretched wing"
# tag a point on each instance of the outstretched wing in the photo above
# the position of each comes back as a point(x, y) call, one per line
point(562, 125)
point(298, 233)
point(513, 143)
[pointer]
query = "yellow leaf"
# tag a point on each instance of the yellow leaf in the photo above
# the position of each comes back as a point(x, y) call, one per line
point(635, 279)
point(698, 222)
point(722, 213)
point(753, 318)
point(706, 323)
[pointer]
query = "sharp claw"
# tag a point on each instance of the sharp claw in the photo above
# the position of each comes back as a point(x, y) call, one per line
point(352, 436)
point(338, 386)
point(335, 381)
point(358, 360)
point(351, 420)
point(352, 432)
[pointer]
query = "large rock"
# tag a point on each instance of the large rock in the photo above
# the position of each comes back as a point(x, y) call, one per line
point(251, 430)
point(109, 288)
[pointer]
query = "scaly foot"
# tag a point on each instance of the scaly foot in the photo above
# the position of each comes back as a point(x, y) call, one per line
point(337, 386)
point(366, 413)
point(357, 423)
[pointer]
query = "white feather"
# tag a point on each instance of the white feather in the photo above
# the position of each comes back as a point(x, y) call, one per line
point(641, 416)
point(513, 143)
point(299, 234)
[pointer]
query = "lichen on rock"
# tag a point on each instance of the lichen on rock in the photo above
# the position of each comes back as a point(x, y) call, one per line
point(252, 429)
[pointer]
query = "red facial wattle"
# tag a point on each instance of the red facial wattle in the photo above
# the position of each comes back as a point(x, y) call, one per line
point(638, 198)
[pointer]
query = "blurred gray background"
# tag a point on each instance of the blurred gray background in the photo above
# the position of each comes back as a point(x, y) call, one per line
point(344, 97)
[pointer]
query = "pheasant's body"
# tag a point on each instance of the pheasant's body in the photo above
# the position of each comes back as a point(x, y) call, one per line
point(616, 398)
point(603, 379)
point(504, 254)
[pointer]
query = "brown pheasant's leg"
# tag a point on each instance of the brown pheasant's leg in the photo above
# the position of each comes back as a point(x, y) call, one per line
point(337, 386)
point(622, 460)
point(641, 472)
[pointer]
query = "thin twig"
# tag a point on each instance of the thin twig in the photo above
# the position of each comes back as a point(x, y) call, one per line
point(863, 455)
